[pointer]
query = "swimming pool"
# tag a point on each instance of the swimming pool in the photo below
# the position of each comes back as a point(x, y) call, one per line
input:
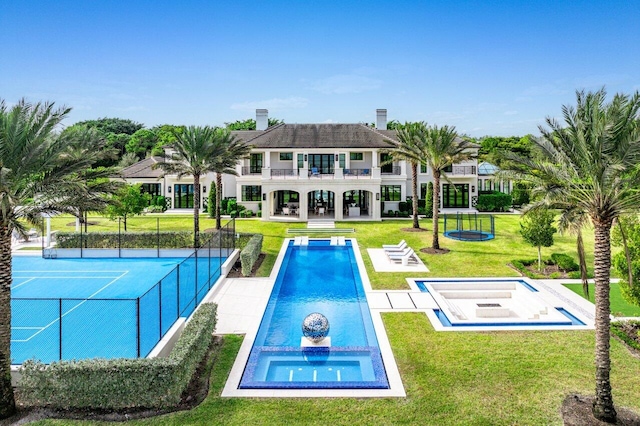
point(317, 277)
point(66, 309)
point(499, 303)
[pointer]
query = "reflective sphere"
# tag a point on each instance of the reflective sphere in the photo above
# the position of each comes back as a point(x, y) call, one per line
point(315, 327)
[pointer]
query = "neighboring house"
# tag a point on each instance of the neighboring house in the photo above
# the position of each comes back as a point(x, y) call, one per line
point(304, 171)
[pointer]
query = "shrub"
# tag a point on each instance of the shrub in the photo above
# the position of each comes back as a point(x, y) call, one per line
point(493, 202)
point(121, 383)
point(620, 328)
point(428, 201)
point(154, 209)
point(404, 206)
point(564, 262)
point(165, 239)
point(259, 213)
point(250, 253)
point(520, 195)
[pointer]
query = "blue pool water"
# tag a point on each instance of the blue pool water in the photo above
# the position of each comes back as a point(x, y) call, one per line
point(107, 308)
point(316, 278)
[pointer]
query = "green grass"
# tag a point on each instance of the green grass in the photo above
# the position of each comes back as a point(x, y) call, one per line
point(496, 378)
point(619, 306)
point(475, 378)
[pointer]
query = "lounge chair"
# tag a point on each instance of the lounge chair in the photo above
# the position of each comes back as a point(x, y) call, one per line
point(400, 246)
point(314, 172)
point(320, 211)
point(405, 257)
point(395, 249)
point(285, 211)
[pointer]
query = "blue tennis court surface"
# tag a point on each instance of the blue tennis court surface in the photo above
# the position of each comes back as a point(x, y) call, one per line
point(107, 308)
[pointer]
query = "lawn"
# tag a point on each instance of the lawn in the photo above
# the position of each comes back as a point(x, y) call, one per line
point(497, 378)
point(480, 378)
point(619, 306)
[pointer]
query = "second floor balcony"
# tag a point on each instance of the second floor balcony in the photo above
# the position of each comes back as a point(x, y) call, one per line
point(317, 173)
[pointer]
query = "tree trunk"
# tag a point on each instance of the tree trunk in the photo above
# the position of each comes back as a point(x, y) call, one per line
point(7, 403)
point(414, 189)
point(196, 211)
point(603, 404)
point(218, 199)
point(539, 258)
point(436, 206)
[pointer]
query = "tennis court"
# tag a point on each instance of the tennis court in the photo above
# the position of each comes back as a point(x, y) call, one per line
point(106, 308)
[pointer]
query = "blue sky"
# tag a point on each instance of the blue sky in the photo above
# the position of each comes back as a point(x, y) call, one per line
point(487, 67)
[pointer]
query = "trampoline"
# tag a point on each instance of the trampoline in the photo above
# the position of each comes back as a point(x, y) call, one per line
point(469, 226)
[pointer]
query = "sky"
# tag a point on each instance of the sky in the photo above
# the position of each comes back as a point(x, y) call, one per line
point(486, 67)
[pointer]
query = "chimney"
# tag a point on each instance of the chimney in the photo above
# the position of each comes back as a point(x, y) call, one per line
point(262, 119)
point(381, 119)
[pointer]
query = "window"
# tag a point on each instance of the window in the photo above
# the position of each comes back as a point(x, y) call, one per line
point(386, 165)
point(423, 190)
point(423, 168)
point(255, 163)
point(448, 169)
point(356, 156)
point(251, 193)
point(390, 192)
point(183, 196)
point(152, 189)
point(341, 159)
point(286, 156)
point(301, 161)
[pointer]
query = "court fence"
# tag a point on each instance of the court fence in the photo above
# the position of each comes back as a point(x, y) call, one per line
point(129, 328)
point(139, 236)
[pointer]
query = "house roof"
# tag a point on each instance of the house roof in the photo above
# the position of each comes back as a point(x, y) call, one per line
point(143, 169)
point(319, 136)
point(485, 168)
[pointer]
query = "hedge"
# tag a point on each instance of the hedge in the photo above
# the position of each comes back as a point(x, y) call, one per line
point(564, 262)
point(618, 328)
point(493, 202)
point(166, 239)
point(118, 384)
point(250, 253)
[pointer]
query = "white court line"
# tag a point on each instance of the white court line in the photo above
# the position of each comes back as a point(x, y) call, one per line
point(73, 277)
point(25, 328)
point(74, 308)
point(16, 286)
point(28, 271)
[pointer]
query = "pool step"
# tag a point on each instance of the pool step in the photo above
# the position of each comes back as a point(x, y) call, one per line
point(321, 224)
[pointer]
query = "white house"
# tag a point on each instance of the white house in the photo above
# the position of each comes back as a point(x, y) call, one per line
point(304, 171)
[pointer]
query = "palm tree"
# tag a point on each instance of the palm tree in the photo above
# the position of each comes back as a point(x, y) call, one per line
point(590, 162)
point(571, 221)
point(232, 151)
point(195, 154)
point(36, 176)
point(442, 148)
point(408, 147)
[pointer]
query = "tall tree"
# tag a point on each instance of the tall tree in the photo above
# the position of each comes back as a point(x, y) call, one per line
point(250, 124)
point(196, 152)
point(409, 147)
point(442, 148)
point(36, 176)
point(232, 149)
point(590, 161)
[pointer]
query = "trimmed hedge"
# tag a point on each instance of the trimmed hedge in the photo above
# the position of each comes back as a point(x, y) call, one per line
point(167, 239)
point(121, 383)
point(250, 253)
point(618, 328)
point(493, 202)
point(564, 262)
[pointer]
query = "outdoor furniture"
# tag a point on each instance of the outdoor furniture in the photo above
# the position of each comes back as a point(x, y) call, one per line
point(400, 246)
point(285, 211)
point(395, 249)
point(405, 257)
point(314, 172)
point(320, 211)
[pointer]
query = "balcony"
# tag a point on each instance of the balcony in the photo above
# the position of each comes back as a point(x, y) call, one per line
point(461, 171)
point(248, 170)
point(395, 170)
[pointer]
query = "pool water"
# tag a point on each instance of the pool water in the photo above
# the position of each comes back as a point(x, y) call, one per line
point(325, 279)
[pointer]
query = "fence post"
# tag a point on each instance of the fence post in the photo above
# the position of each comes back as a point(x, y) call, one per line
point(60, 327)
point(120, 241)
point(160, 306)
point(138, 326)
point(178, 282)
point(158, 234)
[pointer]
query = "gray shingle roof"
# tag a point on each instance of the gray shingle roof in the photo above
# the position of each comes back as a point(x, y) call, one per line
point(143, 169)
point(321, 136)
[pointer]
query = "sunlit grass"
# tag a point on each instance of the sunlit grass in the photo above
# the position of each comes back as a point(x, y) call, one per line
point(619, 306)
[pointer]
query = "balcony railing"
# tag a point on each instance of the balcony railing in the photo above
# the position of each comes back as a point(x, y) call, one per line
point(395, 170)
point(284, 173)
point(356, 173)
point(463, 170)
point(248, 170)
